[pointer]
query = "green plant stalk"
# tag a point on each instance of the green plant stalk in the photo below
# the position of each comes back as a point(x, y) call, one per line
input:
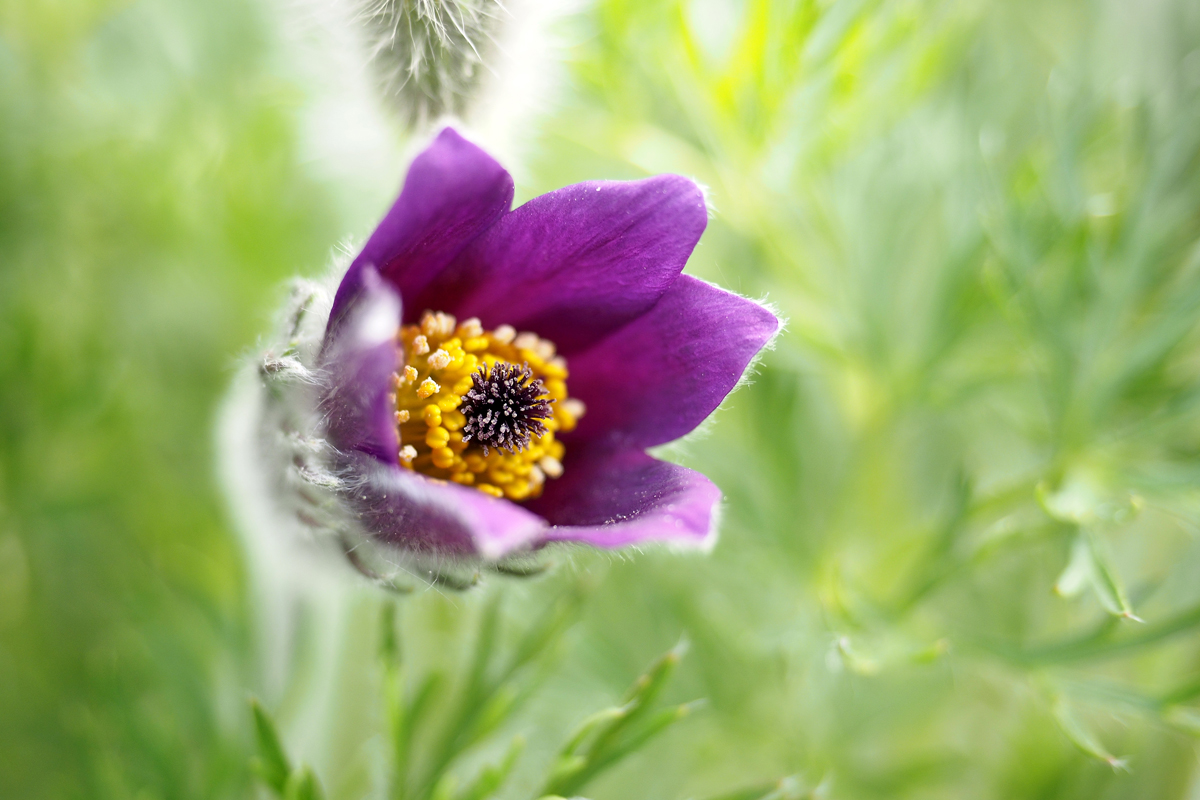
point(272, 764)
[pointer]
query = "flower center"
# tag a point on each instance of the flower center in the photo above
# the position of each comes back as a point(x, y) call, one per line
point(505, 407)
point(481, 408)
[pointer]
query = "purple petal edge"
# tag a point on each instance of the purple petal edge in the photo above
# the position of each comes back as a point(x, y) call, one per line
point(659, 377)
point(415, 513)
point(453, 192)
point(577, 263)
point(357, 362)
point(618, 499)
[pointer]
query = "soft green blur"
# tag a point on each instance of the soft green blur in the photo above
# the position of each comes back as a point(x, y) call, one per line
point(982, 221)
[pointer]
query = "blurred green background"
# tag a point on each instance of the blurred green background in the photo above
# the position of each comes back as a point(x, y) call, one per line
point(982, 220)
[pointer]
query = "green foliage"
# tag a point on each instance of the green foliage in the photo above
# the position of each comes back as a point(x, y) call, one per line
point(273, 767)
point(489, 692)
point(608, 736)
point(966, 471)
point(272, 764)
point(150, 198)
point(428, 733)
point(981, 220)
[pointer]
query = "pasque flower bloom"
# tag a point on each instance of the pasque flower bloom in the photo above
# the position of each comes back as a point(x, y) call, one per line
point(488, 379)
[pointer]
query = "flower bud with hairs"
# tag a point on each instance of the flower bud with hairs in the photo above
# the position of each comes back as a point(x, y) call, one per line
point(486, 62)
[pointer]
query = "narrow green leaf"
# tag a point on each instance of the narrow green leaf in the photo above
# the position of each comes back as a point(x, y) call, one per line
point(654, 726)
point(564, 774)
point(423, 698)
point(444, 788)
point(412, 718)
point(303, 785)
point(397, 704)
point(1105, 581)
point(647, 688)
point(493, 714)
point(493, 776)
point(389, 640)
point(569, 783)
point(588, 726)
point(475, 696)
point(1082, 737)
point(580, 761)
point(641, 695)
point(272, 764)
point(401, 730)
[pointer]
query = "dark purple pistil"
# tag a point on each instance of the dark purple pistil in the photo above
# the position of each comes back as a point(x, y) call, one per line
point(504, 408)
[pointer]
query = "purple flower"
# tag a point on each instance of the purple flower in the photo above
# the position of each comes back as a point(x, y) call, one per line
point(489, 378)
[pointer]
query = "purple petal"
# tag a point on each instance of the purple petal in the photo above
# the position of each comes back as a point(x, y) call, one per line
point(411, 512)
point(618, 499)
point(453, 192)
point(357, 362)
point(659, 377)
point(395, 506)
point(575, 264)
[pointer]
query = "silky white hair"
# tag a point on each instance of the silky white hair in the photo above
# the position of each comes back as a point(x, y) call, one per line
point(430, 55)
point(383, 74)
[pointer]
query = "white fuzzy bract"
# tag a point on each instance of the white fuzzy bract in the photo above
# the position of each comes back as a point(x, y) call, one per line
point(431, 54)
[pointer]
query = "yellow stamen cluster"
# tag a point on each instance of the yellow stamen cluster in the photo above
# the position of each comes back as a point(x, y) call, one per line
point(441, 357)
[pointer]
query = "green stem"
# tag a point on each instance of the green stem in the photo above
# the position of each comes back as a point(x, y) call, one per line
point(1100, 645)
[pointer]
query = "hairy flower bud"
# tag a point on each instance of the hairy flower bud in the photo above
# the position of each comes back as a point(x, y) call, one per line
point(431, 54)
point(486, 62)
